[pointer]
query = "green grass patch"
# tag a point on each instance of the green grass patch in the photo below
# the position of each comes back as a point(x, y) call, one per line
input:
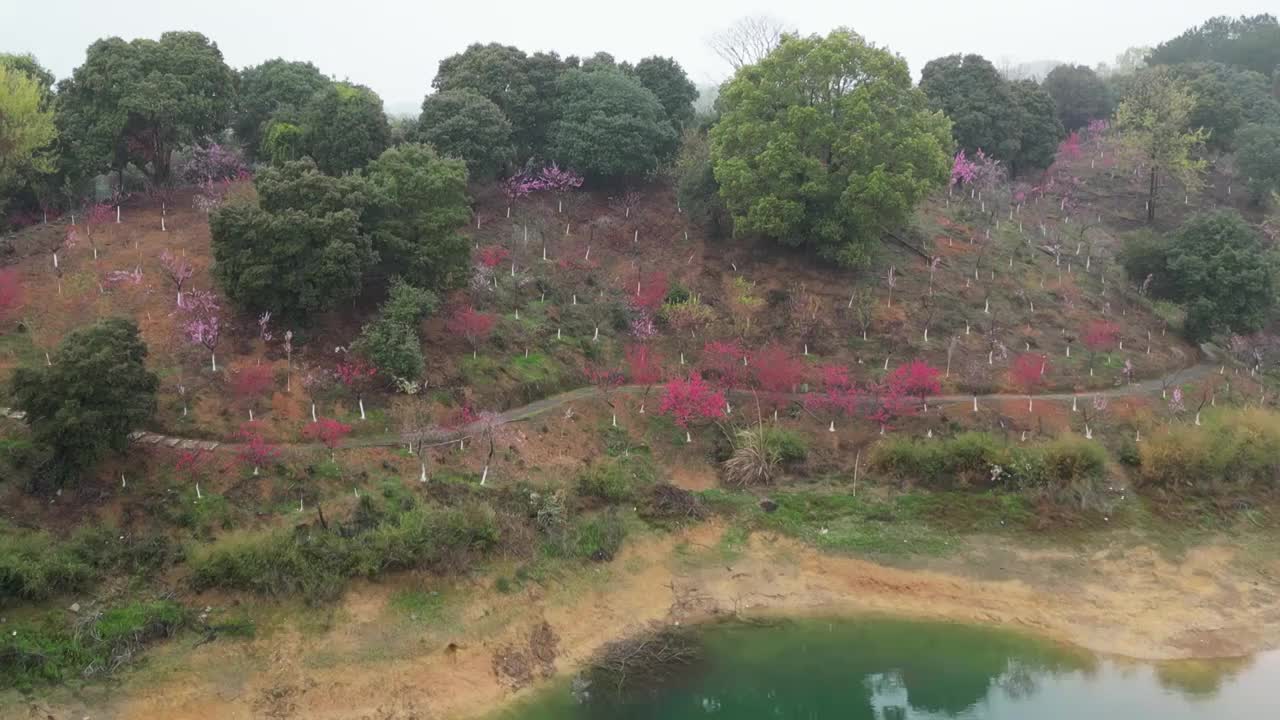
point(420, 606)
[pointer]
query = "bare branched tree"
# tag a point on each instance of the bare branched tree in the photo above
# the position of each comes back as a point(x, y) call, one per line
point(748, 40)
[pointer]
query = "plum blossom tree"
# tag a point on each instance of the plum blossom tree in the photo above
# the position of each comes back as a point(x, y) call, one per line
point(490, 257)
point(606, 381)
point(691, 399)
point(643, 368)
point(560, 181)
point(1028, 374)
point(255, 451)
point(473, 325)
point(891, 401)
point(191, 463)
point(327, 432)
point(775, 373)
point(918, 379)
point(521, 185)
point(963, 170)
point(177, 270)
point(249, 383)
point(356, 374)
point(203, 324)
point(838, 397)
point(726, 362)
point(1099, 336)
point(650, 292)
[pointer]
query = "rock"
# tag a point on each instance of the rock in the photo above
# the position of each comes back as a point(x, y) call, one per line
point(768, 505)
point(75, 607)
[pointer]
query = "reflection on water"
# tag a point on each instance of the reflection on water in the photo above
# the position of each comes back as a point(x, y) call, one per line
point(883, 669)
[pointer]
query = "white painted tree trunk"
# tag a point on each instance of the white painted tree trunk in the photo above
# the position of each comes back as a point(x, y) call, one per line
point(422, 475)
point(975, 403)
point(687, 437)
point(485, 475)
point(250, 414)
point(360, 402)
point(313, 412)
point(1029, 403)
point(213, 361)
point(198, 495)
point(832, 426)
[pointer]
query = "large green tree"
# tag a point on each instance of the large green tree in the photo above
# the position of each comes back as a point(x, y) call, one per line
point(27, 130)
point(979, 102)
point(274, 90)
point(419, 203)
point(465, 124)
point(27, 64)
point(1252, 43)
point(1154, 121)
point(391, 341)
point(95, 391)
point(1039, 130)
point(522, 86)
point(1220, 269)
point(1080, 95)
point(1258, 158)
point(671, 85)
point(301, 250)
point(610, 126)
point(344, 127)
point(136, 101)
point(826, 143)
point(1226, 98)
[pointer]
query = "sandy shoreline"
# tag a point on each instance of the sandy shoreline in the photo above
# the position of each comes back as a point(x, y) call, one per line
point(1121, 601)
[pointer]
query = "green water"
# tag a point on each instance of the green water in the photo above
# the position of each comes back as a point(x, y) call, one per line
point(883, 669)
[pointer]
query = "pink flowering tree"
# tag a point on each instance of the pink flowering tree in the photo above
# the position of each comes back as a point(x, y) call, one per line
point(838, 396)
point(891, 402)
point(327, 432)
point(250, 383)
point(522, 185)
point(690, 400)
point(356, 374)
point(775, 373)
point(1100, 336)
point(726, 362)
point(177, 270)
point(1028, 374)
point(203, 324)
point(560, 181)
point(473, 325)
point(643, 368)
point(963, 171)
point(214, 163)
point(918, 379)
point(191, 464)
point(254, 450)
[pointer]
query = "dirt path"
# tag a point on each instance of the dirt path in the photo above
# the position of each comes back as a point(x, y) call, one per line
point(372, 663)
point(545, 405)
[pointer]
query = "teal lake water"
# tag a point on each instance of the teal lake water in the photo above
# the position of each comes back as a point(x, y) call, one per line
point(885, 669)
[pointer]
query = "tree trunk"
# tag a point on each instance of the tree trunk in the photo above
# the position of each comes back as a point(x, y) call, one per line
point(1151, 199)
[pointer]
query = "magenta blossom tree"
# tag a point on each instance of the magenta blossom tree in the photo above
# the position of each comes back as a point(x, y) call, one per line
point(559, 181)
point(203, 325)
point(691, 399)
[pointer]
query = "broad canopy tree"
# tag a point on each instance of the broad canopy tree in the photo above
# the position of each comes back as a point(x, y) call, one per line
point(1258, 159)
point(978, 101)
point(465, 124)
point(826, 143)
point(344, 127)
point(73, 413)
point(667, 80)
point(27, 129)
point(610, 126)
point(1079, 94)
point(274, 91)
point(137, 101)
point(1220, 269)
point(1154, 125)
point(1249, 42)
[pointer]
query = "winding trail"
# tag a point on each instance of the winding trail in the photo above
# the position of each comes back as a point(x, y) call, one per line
point(547, 404)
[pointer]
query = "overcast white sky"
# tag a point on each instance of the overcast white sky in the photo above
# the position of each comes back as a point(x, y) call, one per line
point(394, 47)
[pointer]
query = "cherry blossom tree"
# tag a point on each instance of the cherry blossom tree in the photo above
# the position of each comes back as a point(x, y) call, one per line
point(560, 181)
point(891, 401)
point(191, 463)
point(918, 379)
point(838, 396)
point(726, 363)
point(203, 324)
point(521, 185)
point(327, 432)
point(606, 381)
point(356, 374)
point(1028, 374)
point(178, 270)
point(650, 291)
point(643, 368)
point(1099, 336)
point(490, 257)
point(691, 399)
point(250, 382)
point(775, 373)
point(11, 294)
point(963, 171)
point(255, 451)
point(473, 325)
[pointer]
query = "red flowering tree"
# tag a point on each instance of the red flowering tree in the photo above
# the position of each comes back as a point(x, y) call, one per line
point(838, 397)
point(775, 373)
point(191, 464)
point(643, 368)
point(356, 374)
point(606, 381)
point(473, 325)
point(10, 293)
point(891, 402)
point(726, 363)
point(1028, 374)
point(490, 257)
point(918, 379)
point(251, 382)
point(255, 451)
point(327, 432)
point(691, 399)
point(1099, 336)
point(649, 293)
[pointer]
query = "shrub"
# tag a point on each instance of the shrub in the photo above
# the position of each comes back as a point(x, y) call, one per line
point(1233, 450)
point(965, 460)
point(790, 445)
point(616, 480)
point(101, 642)
point(599, 537)
point(36, 566)
point(315, 563)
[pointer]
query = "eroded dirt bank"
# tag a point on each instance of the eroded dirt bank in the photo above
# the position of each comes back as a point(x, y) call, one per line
point(370, 664)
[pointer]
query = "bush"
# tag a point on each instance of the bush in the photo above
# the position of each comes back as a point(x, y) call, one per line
point(599, 537)
point(790, 446)
point(36, 566)
point(616, 480)
point(1233, 450)
point(101, 642)
point(315, 563)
